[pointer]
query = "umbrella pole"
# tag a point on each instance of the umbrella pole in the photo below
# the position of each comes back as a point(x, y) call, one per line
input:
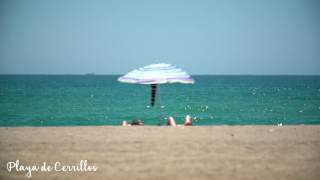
point(159, 105)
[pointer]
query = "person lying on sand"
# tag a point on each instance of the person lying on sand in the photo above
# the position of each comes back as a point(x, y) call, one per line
point(172, 122)
point(135, 122)
point(188, 121)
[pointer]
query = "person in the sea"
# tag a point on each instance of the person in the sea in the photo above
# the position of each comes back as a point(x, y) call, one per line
point(172, 122)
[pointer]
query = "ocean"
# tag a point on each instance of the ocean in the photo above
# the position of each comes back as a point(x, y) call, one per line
point(72, 100)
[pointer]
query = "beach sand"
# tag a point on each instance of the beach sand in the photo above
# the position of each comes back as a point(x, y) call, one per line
point(150, 152)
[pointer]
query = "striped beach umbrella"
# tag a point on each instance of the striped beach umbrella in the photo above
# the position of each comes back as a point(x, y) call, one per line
point(154, 75)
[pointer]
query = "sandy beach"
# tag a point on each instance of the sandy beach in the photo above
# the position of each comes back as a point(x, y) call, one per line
point(205, 152)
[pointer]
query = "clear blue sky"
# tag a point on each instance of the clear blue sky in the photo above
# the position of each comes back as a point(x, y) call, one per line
point(202, 37)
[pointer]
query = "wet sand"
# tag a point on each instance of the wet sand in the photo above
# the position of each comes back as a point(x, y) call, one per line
point(206, 152)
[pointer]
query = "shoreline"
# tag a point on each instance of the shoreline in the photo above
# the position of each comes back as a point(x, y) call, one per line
point(162, 152)
point(164, 125)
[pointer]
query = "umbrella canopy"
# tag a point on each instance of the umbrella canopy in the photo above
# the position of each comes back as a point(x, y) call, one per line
point(157, 74)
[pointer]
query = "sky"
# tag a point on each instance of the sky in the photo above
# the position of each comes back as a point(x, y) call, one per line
point(202, 37)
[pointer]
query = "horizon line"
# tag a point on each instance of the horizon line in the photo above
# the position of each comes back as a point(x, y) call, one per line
point(94, 74)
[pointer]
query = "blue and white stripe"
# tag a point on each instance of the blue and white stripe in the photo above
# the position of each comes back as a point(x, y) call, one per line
point(157, 74)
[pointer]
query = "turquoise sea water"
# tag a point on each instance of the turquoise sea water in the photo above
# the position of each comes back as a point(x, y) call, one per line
point(46, 100)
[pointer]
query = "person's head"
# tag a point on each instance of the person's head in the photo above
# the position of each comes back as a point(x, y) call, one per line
point(136, 122)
